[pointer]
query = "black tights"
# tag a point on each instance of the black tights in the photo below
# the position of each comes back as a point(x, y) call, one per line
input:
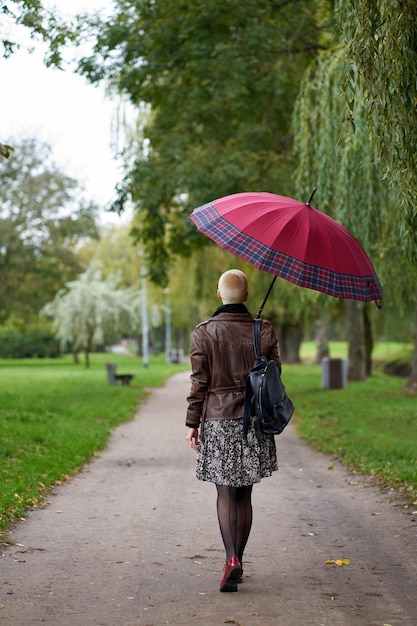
point(234, 511)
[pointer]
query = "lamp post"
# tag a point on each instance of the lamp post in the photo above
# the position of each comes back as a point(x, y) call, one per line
point(144, 302)
point(167, 326)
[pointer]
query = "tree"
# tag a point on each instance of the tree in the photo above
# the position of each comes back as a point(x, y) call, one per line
point(115, 253)
point(87, 311)
point(346, 168)
point(217, 82)
point(43, 217)
point(382, 64)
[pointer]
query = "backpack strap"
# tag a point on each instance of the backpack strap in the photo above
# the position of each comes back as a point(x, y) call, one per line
point(257, 337)
point(247, 411)
point(248, 388)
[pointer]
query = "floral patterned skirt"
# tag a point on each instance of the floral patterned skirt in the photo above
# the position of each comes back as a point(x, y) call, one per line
point(224, 457)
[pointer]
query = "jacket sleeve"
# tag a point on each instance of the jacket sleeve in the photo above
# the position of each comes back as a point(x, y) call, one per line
point(200, 379)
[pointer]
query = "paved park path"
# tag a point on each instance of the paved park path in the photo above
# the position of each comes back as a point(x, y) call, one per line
point(133, 541)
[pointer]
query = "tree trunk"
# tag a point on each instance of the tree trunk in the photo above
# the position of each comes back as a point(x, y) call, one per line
point(322, 340)
point(411, 385)
point(369, 342)
point(88, 348)
point(356, 339)
point(289, 339)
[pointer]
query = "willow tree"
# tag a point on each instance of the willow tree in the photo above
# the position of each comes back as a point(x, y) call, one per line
point(89, 310)
point(337, 153)
point(381, 44)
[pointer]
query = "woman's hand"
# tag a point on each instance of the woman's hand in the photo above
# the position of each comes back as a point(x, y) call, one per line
point(192, 438)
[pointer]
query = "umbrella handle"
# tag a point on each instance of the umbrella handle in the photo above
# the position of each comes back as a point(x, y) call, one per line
point(266, 298)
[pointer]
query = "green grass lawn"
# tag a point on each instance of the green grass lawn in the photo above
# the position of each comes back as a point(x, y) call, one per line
point(370, 426)
point(55, 414)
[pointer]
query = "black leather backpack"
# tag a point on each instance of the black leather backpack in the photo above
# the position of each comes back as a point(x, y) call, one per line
point(265, 392)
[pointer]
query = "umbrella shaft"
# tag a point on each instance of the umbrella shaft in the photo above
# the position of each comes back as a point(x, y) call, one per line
point(266, 298)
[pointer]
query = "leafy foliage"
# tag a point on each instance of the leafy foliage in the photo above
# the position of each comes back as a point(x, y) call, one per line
point(219, 80)
point(5, 150)
point(336, 152)
point(36, 341)
point(42, 219)
point(42, 23)
point(88, 310)
point(381, 41)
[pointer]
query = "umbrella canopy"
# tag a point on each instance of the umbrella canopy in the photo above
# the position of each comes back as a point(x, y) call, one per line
point(293, 240)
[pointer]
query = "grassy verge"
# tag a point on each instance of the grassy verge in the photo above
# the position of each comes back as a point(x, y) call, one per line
point(54, 415)
point(370, 426)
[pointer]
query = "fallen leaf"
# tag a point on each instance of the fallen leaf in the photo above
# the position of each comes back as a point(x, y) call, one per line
point(337, 562)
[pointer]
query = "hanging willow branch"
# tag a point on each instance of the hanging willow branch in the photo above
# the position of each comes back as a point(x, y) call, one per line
point(336, 151)
point(381, 43)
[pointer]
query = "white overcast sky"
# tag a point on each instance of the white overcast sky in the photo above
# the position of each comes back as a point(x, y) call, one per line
point(63, 110)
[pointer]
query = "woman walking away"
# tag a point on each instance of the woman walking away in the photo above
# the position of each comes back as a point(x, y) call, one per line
point(222, 354)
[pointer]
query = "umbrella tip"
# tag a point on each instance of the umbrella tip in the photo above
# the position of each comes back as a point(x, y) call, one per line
point(311, 197)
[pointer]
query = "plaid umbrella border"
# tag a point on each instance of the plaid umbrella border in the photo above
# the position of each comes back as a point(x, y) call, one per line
point(209, 221)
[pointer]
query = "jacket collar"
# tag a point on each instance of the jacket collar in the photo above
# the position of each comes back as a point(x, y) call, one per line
point(231, 308)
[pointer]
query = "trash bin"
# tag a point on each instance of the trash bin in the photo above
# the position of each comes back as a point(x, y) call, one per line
point(176, 356)
point(334, 373)
point(111, 373)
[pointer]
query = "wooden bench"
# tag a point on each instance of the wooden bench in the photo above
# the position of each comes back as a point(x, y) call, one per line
point(114, 378)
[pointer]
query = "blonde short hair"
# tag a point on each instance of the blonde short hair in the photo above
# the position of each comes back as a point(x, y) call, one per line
point(233, 287)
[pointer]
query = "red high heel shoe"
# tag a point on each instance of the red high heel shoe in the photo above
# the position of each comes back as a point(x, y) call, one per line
point(232, 573)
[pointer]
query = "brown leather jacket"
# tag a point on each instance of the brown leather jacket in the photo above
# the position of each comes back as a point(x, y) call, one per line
point(222, 354)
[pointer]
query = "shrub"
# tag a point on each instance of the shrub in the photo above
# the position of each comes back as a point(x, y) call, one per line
point(17, 344)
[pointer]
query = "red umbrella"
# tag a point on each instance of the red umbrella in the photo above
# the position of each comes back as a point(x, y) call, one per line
point(293, 240)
